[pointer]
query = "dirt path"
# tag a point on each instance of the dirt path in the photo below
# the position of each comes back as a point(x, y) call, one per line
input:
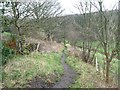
point(65, 81)
point(68, 77)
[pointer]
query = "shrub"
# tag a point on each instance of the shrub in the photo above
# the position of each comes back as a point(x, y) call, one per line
point(8, 47)
point(7, 53)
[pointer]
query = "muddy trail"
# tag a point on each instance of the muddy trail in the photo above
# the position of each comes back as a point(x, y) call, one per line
point(66, 79)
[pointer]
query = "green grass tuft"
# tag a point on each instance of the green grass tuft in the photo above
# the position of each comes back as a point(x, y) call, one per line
point(88, 77)
point(24, 68)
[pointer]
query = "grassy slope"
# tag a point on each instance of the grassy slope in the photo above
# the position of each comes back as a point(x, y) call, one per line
point(87, 75)
point(114, 63)
point(101, 58)
point(23, 68)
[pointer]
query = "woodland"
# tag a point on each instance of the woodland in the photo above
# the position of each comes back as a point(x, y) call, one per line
point(42, 48)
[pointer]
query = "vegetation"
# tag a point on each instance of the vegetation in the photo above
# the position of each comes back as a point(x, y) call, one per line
point(88, 77)
point(19, 71)
point(37, 39)
point(106, 27)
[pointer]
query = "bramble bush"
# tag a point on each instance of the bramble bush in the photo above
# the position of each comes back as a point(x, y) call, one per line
point(7, 53)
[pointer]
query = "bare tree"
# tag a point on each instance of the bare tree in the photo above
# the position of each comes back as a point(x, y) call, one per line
point(45, 8)
point(103, 25)
point(4, 19)
point(15, 12)
point(44, 11)
point(85, 22)
point(106, 29)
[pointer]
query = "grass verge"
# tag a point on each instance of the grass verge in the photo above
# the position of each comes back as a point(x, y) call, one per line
point(21, 69)
point(88, 77)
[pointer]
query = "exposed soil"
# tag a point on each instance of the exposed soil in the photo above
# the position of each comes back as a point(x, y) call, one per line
point(66, 79)
point(37, 82)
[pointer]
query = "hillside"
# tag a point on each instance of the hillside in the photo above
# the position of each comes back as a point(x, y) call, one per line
point(67, 26)
point(72, 51)
point(50, 69)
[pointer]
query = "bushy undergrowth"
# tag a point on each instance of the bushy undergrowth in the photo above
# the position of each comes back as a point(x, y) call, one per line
point(7, 53)
point(21, 69)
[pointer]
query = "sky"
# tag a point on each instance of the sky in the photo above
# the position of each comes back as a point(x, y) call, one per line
point(69, 5)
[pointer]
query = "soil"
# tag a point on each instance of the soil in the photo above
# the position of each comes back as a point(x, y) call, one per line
point(66, 79)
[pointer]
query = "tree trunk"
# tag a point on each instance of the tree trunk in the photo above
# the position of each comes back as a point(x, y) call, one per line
point(104, 71)
point(107, 71)
point(20, 39)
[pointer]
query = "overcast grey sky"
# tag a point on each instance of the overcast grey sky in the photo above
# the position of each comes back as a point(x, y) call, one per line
point(68, 5)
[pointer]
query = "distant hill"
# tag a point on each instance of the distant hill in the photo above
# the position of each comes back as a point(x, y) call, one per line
point(69, 26)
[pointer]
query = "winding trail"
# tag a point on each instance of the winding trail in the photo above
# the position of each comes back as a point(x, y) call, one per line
point(68, 77)
point(66, 80)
